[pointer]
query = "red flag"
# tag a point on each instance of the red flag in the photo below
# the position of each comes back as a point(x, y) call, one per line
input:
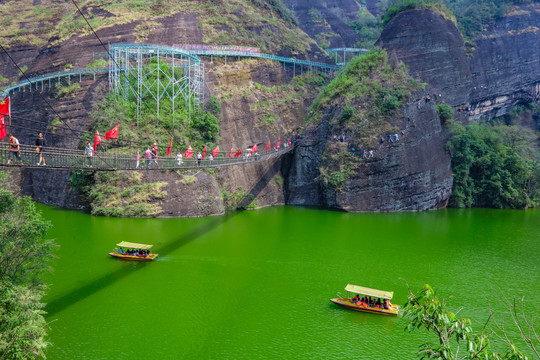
point(253, 149)
point(155, 146)
point(268, 146)
point(189, 152)
point(169, 148)
point(3, 132)
point(204, 151)
point(288, 142)
point(277, 145)
point(97, 140)
point(230, 152)
point(215, 151)
point(5, 107)
point(238, 153)
point(112, 134)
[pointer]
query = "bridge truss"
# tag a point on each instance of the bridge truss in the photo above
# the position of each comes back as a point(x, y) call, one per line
point(142, 72)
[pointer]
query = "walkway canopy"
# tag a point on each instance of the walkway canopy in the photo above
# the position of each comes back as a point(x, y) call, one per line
point(369, 292)
point(134, 245)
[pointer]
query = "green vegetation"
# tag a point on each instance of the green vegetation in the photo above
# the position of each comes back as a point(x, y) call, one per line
point(97, 64)
point(24, 256)
point(494, 166)
point(202, 128)
point(117, 193)
point(364, 94)
point(445, 112)
point(238, 199)
point(456, 338)
point(65, 91)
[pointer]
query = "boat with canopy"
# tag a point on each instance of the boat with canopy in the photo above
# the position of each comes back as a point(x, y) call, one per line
point(368, 300)
point(133, 251)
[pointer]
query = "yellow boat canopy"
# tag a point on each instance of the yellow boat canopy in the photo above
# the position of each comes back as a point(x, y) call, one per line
point(134, 245)
point(369, 292)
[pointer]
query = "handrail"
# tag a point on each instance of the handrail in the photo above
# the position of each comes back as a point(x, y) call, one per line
point(347, 50)
point(77, 159)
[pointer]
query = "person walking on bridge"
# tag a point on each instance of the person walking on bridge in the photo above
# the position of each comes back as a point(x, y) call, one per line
point(41, 143)
point(89, 151)
point(14, 149)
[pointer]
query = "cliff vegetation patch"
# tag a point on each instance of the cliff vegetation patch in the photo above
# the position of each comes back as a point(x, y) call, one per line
point(117, 193)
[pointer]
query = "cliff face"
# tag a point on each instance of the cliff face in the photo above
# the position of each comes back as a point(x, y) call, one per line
point(412, 173)
point(503, 69)
point(328, 19)
point(505, 64)
point(432, 48)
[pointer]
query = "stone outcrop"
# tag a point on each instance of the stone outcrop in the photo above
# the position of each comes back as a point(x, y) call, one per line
point(505, 63)
point(502, 70)
point(410, 174)
point(432, 48)
point(327, 17)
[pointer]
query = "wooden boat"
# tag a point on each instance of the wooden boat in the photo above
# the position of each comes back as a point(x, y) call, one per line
point(138, 252)
point(386, 309)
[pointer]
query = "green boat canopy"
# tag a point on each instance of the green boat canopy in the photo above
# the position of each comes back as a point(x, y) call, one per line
point(134, 245)
point(369, 292)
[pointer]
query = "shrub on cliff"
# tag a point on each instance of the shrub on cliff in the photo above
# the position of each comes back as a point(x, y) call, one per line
point(494, 166)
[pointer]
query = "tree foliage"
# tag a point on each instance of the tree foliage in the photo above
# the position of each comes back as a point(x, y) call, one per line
point(24, 255)
point(456, 338)
point(494, 166)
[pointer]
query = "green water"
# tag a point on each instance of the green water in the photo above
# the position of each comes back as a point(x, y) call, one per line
point(256, 284)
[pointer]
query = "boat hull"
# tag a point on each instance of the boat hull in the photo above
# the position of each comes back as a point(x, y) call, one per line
point(148, 257)
point(350, 305)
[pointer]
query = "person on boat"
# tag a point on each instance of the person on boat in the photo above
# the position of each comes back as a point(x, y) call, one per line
point(121, 251)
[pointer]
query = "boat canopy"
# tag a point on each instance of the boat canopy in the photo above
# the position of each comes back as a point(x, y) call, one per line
point(369, 292)
point(134, 245)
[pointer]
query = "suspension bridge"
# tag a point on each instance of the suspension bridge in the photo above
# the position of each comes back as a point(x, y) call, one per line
point(62, 158)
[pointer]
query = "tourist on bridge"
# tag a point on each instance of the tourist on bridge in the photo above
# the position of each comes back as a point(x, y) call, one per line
point(14, 149)
point(89, 151)
point(199, 158)
point(148, 157)
point(210, 159)
point(155, 156)
point(138, 160)
point(41, 143)
point(179, 158)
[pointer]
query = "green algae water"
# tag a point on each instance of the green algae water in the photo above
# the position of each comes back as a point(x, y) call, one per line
point(257, 284)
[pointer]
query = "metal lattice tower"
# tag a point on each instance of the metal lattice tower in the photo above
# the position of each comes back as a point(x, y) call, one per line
point(136, 71)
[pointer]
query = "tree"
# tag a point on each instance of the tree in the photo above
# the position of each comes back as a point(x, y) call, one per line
point(24, 255)
point(457, 340)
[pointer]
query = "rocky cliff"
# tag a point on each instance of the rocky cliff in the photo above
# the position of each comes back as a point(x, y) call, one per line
point(502, 70)
point(412, 173)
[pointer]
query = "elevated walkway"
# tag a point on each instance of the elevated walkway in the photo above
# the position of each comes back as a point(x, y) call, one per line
point(61, 158)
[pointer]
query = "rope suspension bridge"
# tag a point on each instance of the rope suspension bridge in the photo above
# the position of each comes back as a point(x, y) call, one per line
point(62, 158)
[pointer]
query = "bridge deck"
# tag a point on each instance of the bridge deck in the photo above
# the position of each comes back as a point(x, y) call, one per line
point(60, 158)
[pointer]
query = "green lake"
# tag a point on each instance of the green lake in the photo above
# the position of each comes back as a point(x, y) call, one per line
point(257, 284)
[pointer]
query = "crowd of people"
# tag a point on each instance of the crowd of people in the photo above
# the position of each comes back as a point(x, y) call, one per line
point(134, 252)
point(369, 302)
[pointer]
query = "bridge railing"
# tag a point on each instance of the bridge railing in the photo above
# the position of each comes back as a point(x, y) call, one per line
point(77, 159)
